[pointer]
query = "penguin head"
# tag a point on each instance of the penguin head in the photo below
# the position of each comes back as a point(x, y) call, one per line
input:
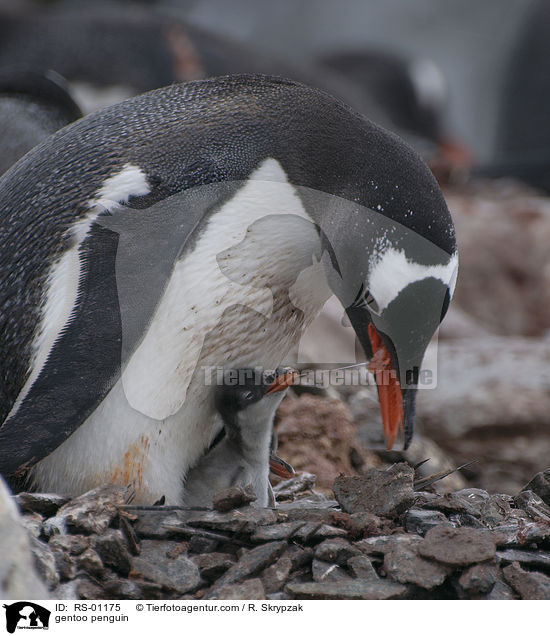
point(389, 254)
point(249, 397)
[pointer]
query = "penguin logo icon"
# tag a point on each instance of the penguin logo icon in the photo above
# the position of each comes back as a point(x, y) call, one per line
point(26, 615)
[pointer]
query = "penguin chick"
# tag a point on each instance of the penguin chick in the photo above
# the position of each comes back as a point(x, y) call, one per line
point(247, 407)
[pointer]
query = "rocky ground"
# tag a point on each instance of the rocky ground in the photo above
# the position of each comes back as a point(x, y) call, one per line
point(358, 522)
point(379, 537)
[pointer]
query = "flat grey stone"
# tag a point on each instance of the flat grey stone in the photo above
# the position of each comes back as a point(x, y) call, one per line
point(501, 592)
point(276, 532)
point(478, 580)
point(355, 589)
point(44, 562)
point(540, 485)
point(323, 571)
point(533, 505)
point(247, 590)
point(244, 520)
point(179, 574)
point(252, 562)
point(234, 497)
point(458, 546)
point(90, 562)
point(54, 526)
point(113, 551)
point(93, 511)
point(420, 521)
point(380, 545)
point(299, 556)
point(534, 559)
point(533, 586)
point(386, 493)
point(46, 504)
point(404, 565)
point(275, 576)
point(312, 530)
point(361, 567)
point(213, 565)
point(74, 544)
point(336, 551)
point(64, 564)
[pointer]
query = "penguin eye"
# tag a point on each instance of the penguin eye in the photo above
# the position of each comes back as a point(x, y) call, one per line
point(364, 297)
point(247, 396)
point(371, 303)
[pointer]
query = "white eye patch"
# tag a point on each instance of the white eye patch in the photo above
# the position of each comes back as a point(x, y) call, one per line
point(393, 271)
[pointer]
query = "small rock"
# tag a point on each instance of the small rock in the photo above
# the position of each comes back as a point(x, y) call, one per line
point(54, 526)
point(380, 545)
point(289, 488)
point(530, 502)
point(180, 574)
point(212, 566)
point(299, 556)
point(361, 567)
point(33, 523)
point(529, 585)
point(385, 493)
point(234, 497)
point(66, 567)
point(420, 521)
point(310, 531)
point(124, 589)
point(88, 590)
point(403, 564)
point(501, 592)
point(253, 562)
point(113, 551)
point(336, 551)
point(244, 520)
point(199, 545)
point(90, 562)
point(248, 590)
point(531, 558)
point(354, 589)
point(44, 562)
point(540, 485)
point(467, 501)
point(458, 546)
point(44, 503)
point(478, 580)
point(495, 510)
point(93, 511)
point(274, 577)
point(322, 571)
point(74, 544)
point(277, 532)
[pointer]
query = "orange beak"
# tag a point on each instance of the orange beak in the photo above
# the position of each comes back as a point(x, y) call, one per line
point(282, 382)
point(389, 389)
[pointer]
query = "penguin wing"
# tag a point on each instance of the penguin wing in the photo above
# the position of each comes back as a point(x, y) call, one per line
point(110, 284)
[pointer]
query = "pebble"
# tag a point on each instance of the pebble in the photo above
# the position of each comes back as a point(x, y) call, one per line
point(529, 585)
point(458, 546)
point(386, 493)
point(234, 497)
point(404, 565)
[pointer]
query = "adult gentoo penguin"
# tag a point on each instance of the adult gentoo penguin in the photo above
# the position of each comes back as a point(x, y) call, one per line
point(247, 401)
point(198, 226)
